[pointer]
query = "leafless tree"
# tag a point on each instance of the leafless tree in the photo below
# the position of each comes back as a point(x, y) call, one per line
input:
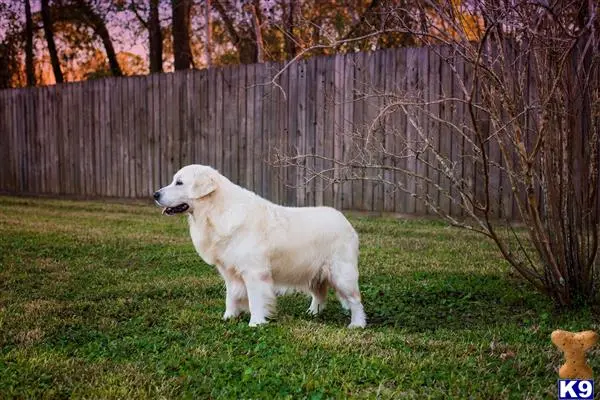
point(29, 62)
point(181, 34)
point(49, 32)
point(208, 33)
point(528, 73)
point(152, 24)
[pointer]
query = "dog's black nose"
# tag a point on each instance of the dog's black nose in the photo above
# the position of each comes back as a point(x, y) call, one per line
point(156, 195)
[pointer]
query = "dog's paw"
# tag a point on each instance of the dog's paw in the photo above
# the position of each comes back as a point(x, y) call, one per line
point(359, 324)
point(257, 322)
point(315, 309)
point(230, 315)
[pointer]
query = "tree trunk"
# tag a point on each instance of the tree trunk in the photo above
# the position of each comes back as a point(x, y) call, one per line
point(256, 25)
point(29, 68)
point(181, 33)
point(244, 41)
point(208, 45)
point(47, 19)
point(99, 26)
point(155, 35)
point(289, 39)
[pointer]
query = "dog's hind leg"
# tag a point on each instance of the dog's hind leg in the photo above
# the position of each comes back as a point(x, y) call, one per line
point(344, 279)
point(318, 291)
point(261, 295)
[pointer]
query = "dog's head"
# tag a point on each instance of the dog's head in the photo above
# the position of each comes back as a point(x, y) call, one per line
point(190, 183)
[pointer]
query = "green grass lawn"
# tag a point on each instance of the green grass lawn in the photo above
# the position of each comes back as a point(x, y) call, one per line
point(107, 300)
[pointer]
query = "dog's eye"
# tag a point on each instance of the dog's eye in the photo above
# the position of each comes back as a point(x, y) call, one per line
point(179, 183)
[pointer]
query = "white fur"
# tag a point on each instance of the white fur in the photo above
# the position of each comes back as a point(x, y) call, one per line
point(261, 248)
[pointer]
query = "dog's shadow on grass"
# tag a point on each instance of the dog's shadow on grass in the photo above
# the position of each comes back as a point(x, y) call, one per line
point(433, 301)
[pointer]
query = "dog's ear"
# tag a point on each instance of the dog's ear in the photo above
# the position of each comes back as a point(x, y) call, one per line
point(203, 186)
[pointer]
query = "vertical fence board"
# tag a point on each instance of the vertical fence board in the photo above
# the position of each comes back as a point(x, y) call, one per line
point(329, 135)
point(273, 138)
point(4, 142)
point(388, 63)
point(377, 70)
point(292, 120)
point(250, 133)
point(358, 130)
point(302, 80)
point(432, 127)
point(284, 134)
point(219, 111)
point(348, 127)
point(238, 137)
point(337, 128)
point(267, 126)
point(319, 125)
point(203, 114)
point(211, 121)
point(421, 119)
point(228, 116)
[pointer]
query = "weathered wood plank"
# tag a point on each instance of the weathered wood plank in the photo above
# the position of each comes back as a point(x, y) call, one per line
point(238, 139)
point(451, 87)
point(347, 126)
point(329, 136)
point(156, 131)
point(127, 107)
point(358, 129)
point(388, 64)
point(292, 120)
point(219, 111)
point(432, 131)
point(142, 137)
point(107, 139)
point(267, 128)
point(319, 125)
point(202, 122)
point(4, 143)
point(29, 136)
point(71, 140)
point(274, 138)
point(174, 93)
point(422, 169)
point(150, 143)
point(284, 137)
point(337, 129)
point(228, 116)
point(6, 138)
point(302, 81)
point(261, 122)
point(412, 67)
point(250, 133)
point(211, 121)
point(84, 99)
point(377, 71)
point(188, 134)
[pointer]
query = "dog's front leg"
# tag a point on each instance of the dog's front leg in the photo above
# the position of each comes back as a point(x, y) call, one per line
point(261, 295)
point(236, 299)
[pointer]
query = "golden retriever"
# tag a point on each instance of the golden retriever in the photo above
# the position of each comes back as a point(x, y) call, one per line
point(260, 248)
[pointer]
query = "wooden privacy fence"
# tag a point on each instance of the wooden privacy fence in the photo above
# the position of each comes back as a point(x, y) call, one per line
point(125, 137)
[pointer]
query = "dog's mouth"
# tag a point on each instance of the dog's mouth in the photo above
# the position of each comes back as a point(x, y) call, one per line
point(175, 210)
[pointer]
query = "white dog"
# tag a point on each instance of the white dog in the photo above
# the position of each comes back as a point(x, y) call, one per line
point(259, 247)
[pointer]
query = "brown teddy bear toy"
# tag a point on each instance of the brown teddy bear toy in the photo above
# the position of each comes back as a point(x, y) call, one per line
point(574, 345)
